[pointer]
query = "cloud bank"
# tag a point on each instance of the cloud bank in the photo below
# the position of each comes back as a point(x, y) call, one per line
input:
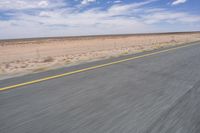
point(43, 18)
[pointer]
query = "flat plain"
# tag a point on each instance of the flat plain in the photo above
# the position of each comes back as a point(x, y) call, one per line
point(35, 55)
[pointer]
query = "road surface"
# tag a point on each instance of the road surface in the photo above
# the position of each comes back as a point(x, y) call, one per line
point(159, 93)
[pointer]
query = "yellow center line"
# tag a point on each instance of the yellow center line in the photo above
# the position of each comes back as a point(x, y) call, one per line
point(90, 68)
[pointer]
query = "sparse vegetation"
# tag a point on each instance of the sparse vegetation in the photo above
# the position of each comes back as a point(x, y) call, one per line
point(40, 69)
point(48, 59)
point(44, 55)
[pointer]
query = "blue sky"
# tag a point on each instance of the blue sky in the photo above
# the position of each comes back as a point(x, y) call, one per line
point(47, 18)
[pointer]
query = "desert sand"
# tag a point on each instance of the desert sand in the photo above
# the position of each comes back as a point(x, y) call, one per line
point(35, 55)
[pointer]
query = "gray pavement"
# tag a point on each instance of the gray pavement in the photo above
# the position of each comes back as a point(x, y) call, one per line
point(154, 94)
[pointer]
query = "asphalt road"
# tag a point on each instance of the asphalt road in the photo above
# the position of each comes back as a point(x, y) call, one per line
point(155, 94)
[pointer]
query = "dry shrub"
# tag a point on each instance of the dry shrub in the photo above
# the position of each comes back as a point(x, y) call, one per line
point(48, 59)
point(40, 69)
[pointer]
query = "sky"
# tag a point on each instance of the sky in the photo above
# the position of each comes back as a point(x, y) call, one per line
point(51, 18)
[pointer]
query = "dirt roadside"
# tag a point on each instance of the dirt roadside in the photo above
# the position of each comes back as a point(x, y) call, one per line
point(35, 55)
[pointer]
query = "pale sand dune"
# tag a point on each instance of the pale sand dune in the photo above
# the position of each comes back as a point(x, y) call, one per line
point(21, 56)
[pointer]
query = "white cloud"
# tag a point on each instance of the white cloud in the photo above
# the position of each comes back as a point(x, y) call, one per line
point(19, 4)
point(85, 2)
point(29, 4)
point(161, 15)
point(43, 4)
point(117, 1)
point(177, 2)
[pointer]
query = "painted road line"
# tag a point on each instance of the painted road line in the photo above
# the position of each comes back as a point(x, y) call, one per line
point(90, 68)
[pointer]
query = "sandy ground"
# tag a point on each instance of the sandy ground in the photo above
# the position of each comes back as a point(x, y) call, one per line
point(27, 56)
